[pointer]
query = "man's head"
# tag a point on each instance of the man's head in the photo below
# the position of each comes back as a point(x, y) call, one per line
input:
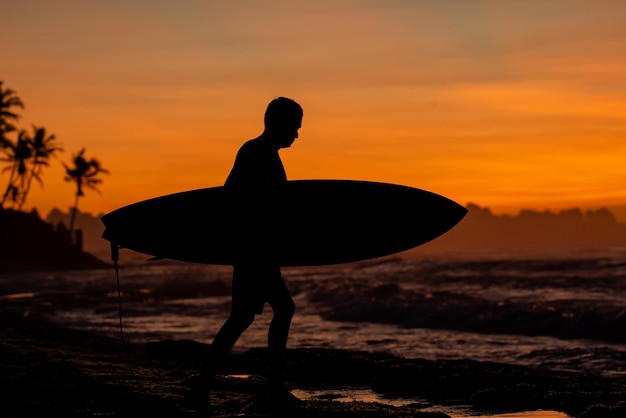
point(283, 118)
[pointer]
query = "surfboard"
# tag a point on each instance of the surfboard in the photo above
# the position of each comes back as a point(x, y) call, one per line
point(308, 223)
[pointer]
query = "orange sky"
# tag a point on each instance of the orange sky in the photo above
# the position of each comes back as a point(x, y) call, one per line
point(507, 104)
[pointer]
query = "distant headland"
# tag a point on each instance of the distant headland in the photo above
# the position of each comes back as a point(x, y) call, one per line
point(480, 230)
point(568, 229)
point(29, 243)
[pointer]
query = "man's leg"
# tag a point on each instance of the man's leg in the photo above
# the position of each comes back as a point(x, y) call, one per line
point(238, 321)
point(227, 336)
point(223, 342)
point(283, 306)
point(241, 316)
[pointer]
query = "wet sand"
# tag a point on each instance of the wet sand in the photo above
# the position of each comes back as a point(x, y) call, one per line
point(46, 370)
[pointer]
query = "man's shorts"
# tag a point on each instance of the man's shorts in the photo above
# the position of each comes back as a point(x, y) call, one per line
point(256, 284)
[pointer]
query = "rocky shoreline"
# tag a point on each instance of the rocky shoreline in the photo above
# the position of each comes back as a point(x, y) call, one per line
point(48, 370)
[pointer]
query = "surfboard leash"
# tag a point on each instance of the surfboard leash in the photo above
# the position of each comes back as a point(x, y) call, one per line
point(115, 255)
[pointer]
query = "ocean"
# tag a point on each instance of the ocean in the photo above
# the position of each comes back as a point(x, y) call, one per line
point(560, 310)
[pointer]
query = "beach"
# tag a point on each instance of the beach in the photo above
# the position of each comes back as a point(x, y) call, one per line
point(52, 371)
point(461, 338)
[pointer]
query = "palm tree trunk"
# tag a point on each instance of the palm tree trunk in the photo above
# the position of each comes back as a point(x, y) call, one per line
point(28, 183)
point(6, 192)
point(73, 216)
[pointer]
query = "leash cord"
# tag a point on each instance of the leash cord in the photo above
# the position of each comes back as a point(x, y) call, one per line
point(115, 257)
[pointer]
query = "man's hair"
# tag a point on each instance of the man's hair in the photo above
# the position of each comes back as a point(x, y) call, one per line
point(282, 110)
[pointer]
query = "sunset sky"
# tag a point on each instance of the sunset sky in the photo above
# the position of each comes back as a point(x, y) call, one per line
point(506, 104)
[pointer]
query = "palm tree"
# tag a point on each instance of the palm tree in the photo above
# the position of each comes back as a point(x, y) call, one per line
point(8, 100)
point(17, 155)
point(13, 152)
point(85, 174)
point(43, 146)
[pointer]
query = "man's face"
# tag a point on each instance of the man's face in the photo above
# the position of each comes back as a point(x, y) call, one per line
point(287, 134)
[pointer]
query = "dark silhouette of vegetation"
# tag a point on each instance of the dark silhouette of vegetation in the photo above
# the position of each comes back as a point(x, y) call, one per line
point(35, 244)
point(43, 146)
point(26, 155)
point(26, 159)
point(16, 155)
point(8, 102)
point(84, 173)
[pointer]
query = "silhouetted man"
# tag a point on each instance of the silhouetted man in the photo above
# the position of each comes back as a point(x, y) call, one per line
point(256, 180)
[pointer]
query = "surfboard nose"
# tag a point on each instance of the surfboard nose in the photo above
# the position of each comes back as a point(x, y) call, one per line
point(457, 213)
